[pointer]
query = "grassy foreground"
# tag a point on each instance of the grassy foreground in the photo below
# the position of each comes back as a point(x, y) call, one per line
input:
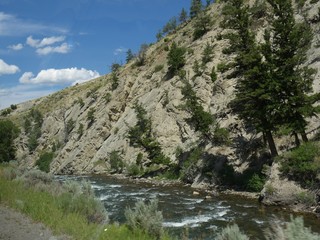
point(42, 206)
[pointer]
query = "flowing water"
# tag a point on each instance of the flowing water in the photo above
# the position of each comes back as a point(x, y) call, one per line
point(182, 211)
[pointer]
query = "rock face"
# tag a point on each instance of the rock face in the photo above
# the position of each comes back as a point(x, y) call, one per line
point(83, 146)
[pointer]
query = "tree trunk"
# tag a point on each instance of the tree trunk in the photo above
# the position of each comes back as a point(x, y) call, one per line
point(296, 138)
point(304, 136)
point(272, 145)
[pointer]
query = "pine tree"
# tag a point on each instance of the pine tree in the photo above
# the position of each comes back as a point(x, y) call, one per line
point(129, 56)
point(253, 99)
point(195, 8)
point(183, 16)
point(288, 43)
point(176, 58)
point(202, 25)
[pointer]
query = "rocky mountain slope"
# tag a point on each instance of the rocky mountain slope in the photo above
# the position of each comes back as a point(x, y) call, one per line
point(84, 124)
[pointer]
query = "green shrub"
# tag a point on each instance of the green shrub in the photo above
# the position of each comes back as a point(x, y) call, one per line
point(146, 217)
point(270, 190)
point(6, 112)
point(33, 141)
point(232, 233)
point(158, 68)
point(44, 161)
point(171, 174)
point(90, 116)
point(302, 164)
point(293, 230)
point(79, 198)
point(107, 97)
point(116, 162)
point(114, 81)
point(255, 183)
point(70, 126)
point(33, 177)
point(13, 106)
point(81, 102)
point(80, 130)
point(222, 67)
point(10, 173)
point(221, 135)
point(134, 169)
point(307, 198)
point(197, 68)
point(213, 75)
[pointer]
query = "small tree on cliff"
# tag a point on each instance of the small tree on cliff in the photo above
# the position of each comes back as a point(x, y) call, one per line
point(195, 8)
point(176, 58)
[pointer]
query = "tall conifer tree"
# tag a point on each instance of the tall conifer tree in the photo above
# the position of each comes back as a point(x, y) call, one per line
point(195, 8)
point(253, 100)
point(286, 51)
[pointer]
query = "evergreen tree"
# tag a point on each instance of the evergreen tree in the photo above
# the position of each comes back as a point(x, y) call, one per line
point(195, 8)
point(176, 58)
point(8, 132)
point(253, 99)
point(129, 56)
point(202, 25)
point(286, 49)
point(141, 57)
point(170, 26)
point(201, 120)
point(159, 35)
point(183, 16)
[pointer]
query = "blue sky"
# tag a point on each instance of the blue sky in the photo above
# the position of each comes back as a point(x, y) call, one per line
point(47, 45)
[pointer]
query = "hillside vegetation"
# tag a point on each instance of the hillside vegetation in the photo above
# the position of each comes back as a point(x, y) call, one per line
point(219, 100)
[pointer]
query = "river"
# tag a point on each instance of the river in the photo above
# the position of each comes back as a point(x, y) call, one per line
point(183, 211)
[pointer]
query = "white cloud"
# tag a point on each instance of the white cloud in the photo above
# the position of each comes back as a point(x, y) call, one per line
point(46, 45)
point(119, 50)
point(7, 69)
point(16, 47)
point(63, 48)
point(59, 76)
point(37, 43)
point(10, 25)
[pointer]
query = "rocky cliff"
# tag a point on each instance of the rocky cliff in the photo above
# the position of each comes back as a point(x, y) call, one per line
point(84, 124)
